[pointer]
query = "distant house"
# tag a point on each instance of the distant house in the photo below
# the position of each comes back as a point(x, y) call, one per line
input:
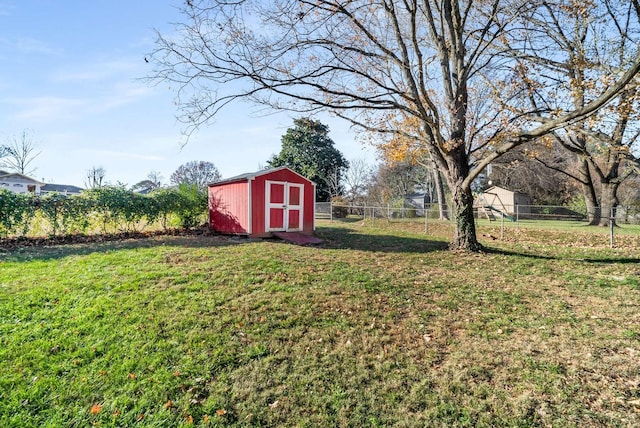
point(63, 189)
point(498, 199)
point(419, 201)
point(19, 183)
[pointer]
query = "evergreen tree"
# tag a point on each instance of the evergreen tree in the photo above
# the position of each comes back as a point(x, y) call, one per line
point(308, 150)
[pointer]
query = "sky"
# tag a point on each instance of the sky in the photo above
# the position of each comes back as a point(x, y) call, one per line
point(71, 77)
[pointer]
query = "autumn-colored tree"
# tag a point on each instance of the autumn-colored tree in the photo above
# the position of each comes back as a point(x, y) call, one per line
point(592, 42)
point(367, 60)
point(405, 145)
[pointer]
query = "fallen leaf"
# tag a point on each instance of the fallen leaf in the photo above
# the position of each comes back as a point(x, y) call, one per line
point(189, 419)
point(96, 408)
point(132, 376)
point(205, 419)
point(221, 412)
point(168, 404)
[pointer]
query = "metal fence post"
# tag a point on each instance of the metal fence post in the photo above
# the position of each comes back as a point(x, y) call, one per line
point(612, 221)
point(426, 219)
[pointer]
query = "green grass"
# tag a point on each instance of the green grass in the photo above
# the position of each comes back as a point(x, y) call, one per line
point(379, 326)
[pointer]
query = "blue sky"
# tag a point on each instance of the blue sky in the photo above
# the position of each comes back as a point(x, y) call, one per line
point(69, 76)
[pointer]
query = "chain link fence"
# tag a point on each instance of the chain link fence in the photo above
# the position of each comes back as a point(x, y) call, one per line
point(531, 216)
point(522, 213)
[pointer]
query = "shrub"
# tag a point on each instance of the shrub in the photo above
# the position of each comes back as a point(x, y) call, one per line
point(15, 212)
point(192, 205)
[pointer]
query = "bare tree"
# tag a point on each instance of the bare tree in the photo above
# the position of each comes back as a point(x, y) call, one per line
point(94, 177)
point(333, 181)
point(366, 60)
point(357, 179)
point(538, 171)
point(198, 173)
point(19, 152)
point(155, 178)
point(591, 43)
point(151, 183)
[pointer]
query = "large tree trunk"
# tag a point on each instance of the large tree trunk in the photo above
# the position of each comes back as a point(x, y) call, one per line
point(464, 237)
point(589, 193)
point(608, 202)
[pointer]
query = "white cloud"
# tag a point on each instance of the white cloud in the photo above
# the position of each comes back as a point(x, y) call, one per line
point(93, 99)
point(46, 107)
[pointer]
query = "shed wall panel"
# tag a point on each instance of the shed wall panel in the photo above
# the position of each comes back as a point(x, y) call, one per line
point(229, 208)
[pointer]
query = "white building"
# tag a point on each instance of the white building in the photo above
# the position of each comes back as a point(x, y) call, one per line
point(19, 183)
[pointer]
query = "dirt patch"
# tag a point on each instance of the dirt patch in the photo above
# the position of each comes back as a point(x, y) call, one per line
point(25, 241)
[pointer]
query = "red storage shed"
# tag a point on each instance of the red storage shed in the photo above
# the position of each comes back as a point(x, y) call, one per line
point(259, 203)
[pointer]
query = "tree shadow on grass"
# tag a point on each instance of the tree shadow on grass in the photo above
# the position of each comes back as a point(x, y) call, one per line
point(595, 260)
point(334, 238)
point(352, 239)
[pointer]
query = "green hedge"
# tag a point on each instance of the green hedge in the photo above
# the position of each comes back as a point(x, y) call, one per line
point(105, 209)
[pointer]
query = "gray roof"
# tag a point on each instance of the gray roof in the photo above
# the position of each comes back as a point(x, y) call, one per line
point(61, 188)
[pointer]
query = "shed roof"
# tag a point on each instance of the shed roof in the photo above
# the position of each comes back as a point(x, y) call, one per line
point(493, 188)
point(251, 175)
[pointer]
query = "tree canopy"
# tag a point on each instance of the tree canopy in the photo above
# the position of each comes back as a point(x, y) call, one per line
point(197, 173)
point(308, 150)
point(454, 66)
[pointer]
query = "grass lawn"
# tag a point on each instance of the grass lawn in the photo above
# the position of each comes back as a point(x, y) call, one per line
point(378, 326)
